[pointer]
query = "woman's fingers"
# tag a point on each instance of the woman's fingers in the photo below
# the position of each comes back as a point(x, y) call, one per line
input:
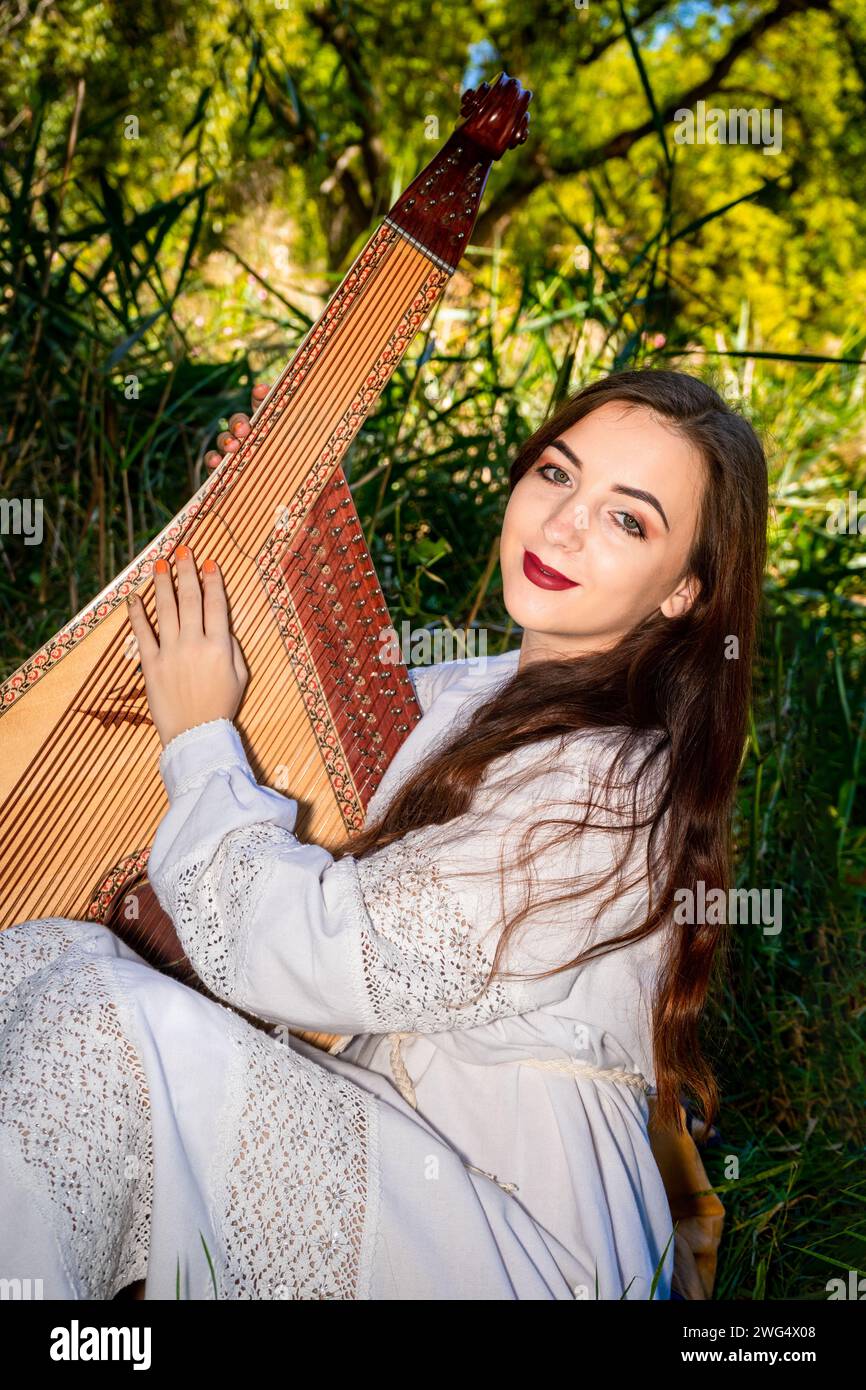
point(201, 676)
point(229, 441)
point(148, 647)
point(192, 613)
point(189, 600)
point(216, 609)
point(166, 606)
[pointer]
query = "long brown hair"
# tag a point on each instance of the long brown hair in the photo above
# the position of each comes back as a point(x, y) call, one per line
point(676, 691)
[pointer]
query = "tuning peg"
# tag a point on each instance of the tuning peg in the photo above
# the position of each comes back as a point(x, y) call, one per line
point(472, 98)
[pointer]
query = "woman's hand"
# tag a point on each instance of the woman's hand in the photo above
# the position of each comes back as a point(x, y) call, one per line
point(195, 672)
point(229, 441)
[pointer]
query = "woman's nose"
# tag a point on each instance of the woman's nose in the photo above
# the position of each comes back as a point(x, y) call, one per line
point(568, 524)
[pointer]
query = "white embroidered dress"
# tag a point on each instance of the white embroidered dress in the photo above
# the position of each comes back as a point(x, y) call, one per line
point(496, 1150)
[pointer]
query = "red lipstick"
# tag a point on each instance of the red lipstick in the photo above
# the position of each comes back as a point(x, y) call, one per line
point(543, 575)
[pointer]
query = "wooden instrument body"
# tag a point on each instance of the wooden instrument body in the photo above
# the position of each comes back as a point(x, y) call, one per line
point(324, 711)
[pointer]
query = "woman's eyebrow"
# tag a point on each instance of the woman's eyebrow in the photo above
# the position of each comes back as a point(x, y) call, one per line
point(643, 497)
point(637, 492)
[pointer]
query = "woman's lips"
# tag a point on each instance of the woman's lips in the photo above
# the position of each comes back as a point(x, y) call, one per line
point(543, 576)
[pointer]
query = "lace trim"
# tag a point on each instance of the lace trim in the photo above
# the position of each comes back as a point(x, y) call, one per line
point(296, 1178)
point(294, 1187)
point(74, 1105)
point(185, 736)
point(419, 960)
point(211, 901)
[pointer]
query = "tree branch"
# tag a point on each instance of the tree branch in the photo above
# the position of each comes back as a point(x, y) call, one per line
point(539, 168)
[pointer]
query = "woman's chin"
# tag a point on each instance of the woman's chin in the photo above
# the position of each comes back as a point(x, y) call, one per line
point(542, 609)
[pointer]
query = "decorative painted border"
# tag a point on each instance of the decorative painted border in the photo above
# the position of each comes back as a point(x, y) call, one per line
point(333, 754)
point(345, 431)
point(122, 873)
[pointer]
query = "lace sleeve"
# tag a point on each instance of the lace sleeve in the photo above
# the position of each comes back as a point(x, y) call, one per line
point(435, 902)
point(402, 939)
point(281, 929)
point(267, 922)
point(424, 962)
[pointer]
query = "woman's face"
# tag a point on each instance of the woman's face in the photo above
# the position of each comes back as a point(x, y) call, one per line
point(613, 505)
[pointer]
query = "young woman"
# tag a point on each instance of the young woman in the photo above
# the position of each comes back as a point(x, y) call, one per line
point(484, 1135)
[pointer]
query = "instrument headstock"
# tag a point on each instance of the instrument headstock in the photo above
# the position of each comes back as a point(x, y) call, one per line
point(439, 208)
point(497, 117)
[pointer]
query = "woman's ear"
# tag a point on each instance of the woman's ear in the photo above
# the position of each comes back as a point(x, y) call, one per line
point(682, 598)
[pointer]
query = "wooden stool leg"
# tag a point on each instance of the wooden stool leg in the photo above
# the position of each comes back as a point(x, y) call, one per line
point(699, 1212)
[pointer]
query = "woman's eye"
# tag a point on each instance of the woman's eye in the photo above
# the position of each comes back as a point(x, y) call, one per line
point(629, 530)
point(546, 467)
point(632, 527)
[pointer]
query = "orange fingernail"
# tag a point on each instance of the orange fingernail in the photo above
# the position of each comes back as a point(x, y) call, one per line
point(182, 552)
point(209, 566)
point(161, 566)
